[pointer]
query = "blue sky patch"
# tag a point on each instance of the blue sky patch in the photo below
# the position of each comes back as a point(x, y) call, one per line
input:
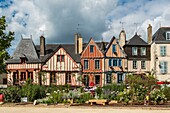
point(5, 3)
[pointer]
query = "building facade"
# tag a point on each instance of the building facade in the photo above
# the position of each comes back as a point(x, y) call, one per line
point(160, 55)
point(115, 62)
point(92, 59)
point(46, 64)
point(138, 55)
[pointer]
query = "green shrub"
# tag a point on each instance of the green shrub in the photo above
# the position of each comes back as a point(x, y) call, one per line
point(157, 96)
point(33, 92)
point(166, 91)
point(110, 91)
point(124, 96)
point(12, 94)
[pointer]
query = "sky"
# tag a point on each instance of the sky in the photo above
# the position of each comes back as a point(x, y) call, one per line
point(59, 20)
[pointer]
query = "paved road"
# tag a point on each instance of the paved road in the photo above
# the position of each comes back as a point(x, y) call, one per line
point(77, 110)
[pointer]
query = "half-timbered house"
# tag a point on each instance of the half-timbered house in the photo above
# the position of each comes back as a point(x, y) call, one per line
point(115, 62)
point(47, 64)
point(24, 63)
point(92, 59)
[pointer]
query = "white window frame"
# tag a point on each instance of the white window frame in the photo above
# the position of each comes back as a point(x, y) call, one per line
point(97, 65)
point(143, 64)
point(143, 51)
point(134, 51)
point(163, 67)
point(168, 35)
point(163, 50)
point(86, 67)
point(108, 78)
point(134, 65)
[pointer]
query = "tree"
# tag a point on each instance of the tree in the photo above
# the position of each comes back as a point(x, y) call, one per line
point(5, 42)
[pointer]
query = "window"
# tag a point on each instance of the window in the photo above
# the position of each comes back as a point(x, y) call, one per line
point(53, 78)
point(143, 65)
point(30, 75)
point(91, 48)
point(97, 64)
point(108, 78)
point(120, 78)
point(86, 80)
point(113, 48)
point(68, 78)
point(163, 67)
point(15, 78)
point(120, 63)
point(97, 79)
point(134, 51)
point(110, 62)
point(134, 64)
point(23, 60)
point(163, 50)
point(114, 62)
point(23, 76)
point(86, 64)
point(143, 51)
point(167, 35)
point(60, 58)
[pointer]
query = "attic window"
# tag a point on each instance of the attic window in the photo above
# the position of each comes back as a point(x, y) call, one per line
point(114, 48)
point(23, 60)
point(91, 48)
point(168, 35)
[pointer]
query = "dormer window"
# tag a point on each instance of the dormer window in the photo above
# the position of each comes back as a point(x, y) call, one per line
point(168, 35)
point(23, 60)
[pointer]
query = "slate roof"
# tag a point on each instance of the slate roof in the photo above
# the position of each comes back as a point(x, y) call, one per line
point(160, 35)
point(26, 49)
point(136, 40)
point(52, 48)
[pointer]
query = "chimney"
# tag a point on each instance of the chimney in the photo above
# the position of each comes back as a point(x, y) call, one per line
point(78, 43)
point(42, 46)
point(149, 34)
point(122, 38)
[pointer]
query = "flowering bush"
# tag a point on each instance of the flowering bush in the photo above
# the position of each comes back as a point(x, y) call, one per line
point(56, 97)
point(124, 96)
point(110, 92)
point(157, 96)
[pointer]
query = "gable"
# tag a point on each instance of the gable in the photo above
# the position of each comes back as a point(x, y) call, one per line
point(96, 51)
point(53, 64)
point(118, 52)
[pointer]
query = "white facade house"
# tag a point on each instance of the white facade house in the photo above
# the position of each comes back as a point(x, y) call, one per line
point(160, 54)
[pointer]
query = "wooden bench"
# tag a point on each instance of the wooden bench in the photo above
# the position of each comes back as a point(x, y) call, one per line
point(95, 101)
